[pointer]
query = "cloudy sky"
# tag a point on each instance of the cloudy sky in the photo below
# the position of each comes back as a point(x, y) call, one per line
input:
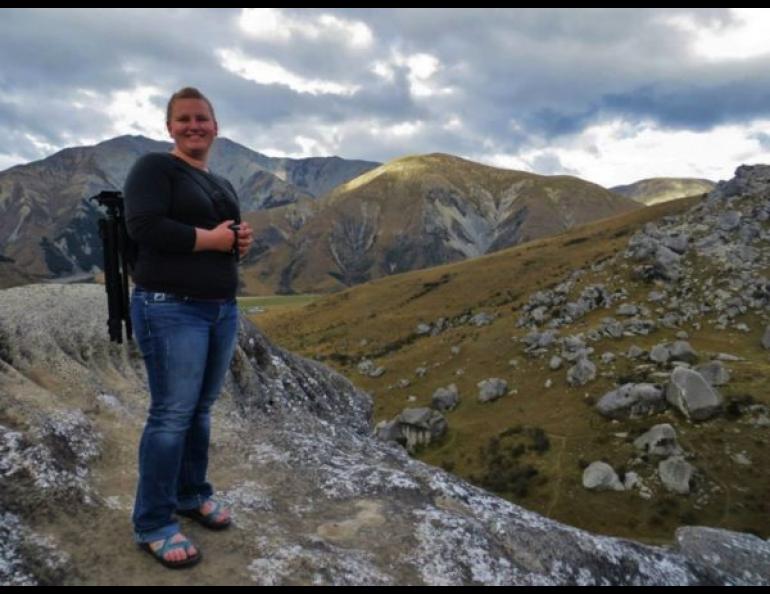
point(610, 95)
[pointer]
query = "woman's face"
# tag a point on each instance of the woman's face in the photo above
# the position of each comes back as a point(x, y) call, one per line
point(193, 127)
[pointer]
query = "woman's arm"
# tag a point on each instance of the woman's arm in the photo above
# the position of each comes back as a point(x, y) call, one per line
point(147, 201)
point(221, 238)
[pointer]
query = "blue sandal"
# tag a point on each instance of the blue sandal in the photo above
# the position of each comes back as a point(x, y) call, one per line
point(208, 520)
point(159, 554)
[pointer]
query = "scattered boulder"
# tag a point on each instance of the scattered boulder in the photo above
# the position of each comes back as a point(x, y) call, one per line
point(445, 399)
point(422, 328)
point(714, 372)
point(367, 367)
point(627, 309)
point(412, 428)
point(537, 341)
point(682, 351)
point(581, 373)
point(633, 481)
point(689, 392)
point(660, 353)
point(600, 476)
point(481, 319)
point(679, 350)
point(676, 474)
point(728, 357)
point(632, 401)
point(492, 389)
point(611, 327)
point(659, 441)
point(608, 358)
point(420, 426)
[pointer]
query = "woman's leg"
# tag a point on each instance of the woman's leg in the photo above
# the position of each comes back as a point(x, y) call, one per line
point(174, 338)
point(193, 488)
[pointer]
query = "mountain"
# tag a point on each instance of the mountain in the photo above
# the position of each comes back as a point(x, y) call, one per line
point(590, 340)
point(316, 498)
point(416, 212)
point(660, 189)
point(49, 228)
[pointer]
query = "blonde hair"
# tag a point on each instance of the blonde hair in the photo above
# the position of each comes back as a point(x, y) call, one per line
point(187, 93)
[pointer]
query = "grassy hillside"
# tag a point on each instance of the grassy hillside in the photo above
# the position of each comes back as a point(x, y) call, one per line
point(413, 213)
point(532, 445)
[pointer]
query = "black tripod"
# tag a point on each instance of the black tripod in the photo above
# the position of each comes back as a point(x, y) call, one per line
point(117, 259)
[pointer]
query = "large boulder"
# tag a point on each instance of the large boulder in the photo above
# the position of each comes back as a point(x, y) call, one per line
point(692, 395)
point(632, 401)
point(421, 426)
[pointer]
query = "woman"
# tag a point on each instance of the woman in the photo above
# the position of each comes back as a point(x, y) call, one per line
point(185, 317)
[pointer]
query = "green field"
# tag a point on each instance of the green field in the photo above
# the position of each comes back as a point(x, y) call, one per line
point(273, 303)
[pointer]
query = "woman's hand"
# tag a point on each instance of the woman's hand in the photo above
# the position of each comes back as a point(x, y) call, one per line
point(245, 238)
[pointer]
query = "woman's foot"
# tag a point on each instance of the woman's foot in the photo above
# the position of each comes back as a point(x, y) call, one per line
point(218, 513)
point(175, 551)
point(211, 514)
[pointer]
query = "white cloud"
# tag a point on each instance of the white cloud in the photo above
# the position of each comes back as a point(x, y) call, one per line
point(745, 37)
point(421, 69)
point(617, 152)
point(453, 124)
point(355, 138)
point(311, 147)
point(131, 111)
point(269, 73)
point(404, 129)
point(271, 24)
point(383, 70)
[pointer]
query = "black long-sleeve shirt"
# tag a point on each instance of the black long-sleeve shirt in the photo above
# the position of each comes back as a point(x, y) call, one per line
point(163, 205)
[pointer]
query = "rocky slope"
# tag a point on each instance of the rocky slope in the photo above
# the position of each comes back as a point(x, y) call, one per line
point(628, 355)
point(316, 499)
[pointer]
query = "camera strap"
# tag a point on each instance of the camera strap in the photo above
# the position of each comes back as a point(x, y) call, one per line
point(225, 203)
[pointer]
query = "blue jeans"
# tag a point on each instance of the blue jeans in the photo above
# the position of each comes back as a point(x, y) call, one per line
point(187, 345)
